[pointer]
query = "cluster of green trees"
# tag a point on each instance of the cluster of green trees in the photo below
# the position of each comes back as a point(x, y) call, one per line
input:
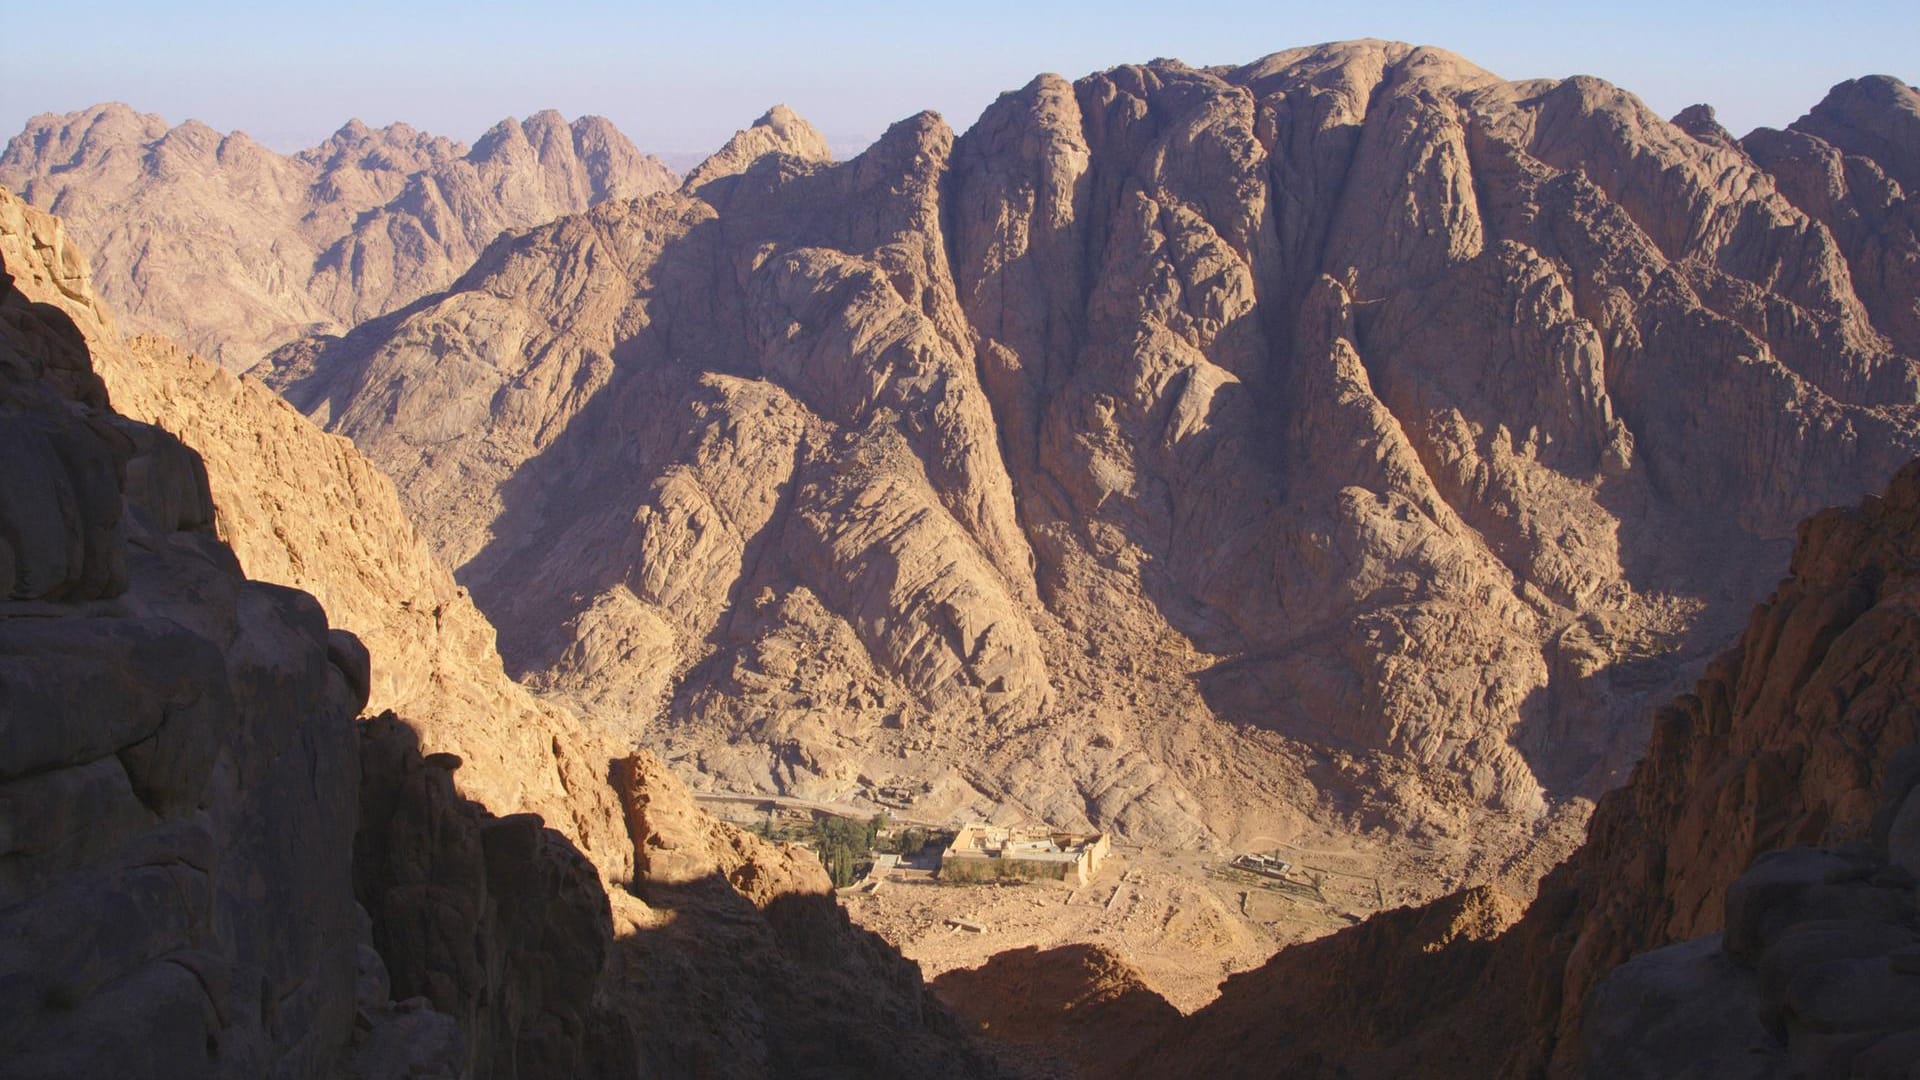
point(846, 846)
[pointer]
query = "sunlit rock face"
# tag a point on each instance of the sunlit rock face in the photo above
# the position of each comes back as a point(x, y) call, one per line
point(1352, 434)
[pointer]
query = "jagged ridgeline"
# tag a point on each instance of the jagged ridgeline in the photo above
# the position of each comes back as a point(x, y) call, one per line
point(232, 249)
point(1176, 451)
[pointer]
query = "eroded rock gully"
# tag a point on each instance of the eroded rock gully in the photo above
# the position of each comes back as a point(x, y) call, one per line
point(1353, 435)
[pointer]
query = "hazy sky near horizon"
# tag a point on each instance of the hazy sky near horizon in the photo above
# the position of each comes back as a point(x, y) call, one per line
point(678, 79)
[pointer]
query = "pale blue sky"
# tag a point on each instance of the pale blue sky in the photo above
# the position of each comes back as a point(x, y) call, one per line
point(679, 79)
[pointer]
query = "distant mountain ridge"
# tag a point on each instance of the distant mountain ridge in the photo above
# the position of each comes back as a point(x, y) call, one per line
point(233, 249)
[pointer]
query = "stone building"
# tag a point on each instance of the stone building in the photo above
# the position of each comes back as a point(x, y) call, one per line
point(982, 852)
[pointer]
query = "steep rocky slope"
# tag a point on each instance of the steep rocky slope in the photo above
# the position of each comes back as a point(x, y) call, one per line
point(1351, 434)
point(302, 509)
point(538, 902)
point(1804, 733)
point(233, 249)
point(177, 760)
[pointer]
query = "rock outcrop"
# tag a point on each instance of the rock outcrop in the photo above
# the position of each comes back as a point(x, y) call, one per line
point(497, 922)
point(1816, 974)
point(1075, 1010)
point(302, 508)
point(220, 243)
point(519, 913)
point(1352, 434)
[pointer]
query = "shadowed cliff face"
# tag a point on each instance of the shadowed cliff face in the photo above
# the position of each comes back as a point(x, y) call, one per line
point(723, 957)
point(177, 780)
point(1075, 1010)
point(189, 822)
point(1353, 433)
point(233, 249)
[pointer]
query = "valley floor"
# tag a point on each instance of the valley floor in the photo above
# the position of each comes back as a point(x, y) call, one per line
point(1183, 919)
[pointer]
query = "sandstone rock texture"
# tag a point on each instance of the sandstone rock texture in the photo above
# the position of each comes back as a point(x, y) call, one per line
point(1817, 974)
point(535, 900)
point(303, 509)
point(1353, 434)
point(222, 244)
point(177, 762)
point(1775, 806)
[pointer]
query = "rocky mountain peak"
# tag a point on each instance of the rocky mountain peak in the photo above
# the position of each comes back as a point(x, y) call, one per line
point(397, 147)
point(1700, 122)
point(509, 136)
point(789, 126)
point(779, 130)
point(1877, 117)
point(197, 821)
point(912, 145)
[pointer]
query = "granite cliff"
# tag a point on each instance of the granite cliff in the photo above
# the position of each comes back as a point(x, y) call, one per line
point(1352, 435)
point(233, 249)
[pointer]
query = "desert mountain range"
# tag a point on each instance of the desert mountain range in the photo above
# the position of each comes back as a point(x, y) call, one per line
point(1184, 452)
point(1351, 437)
point(162, 924)
point(1743, 907)
point(232, 249)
